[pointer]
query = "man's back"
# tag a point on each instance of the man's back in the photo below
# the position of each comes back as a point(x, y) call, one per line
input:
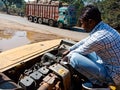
point(109, 49)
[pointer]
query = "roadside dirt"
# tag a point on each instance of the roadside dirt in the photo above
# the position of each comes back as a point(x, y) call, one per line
point(36, 36)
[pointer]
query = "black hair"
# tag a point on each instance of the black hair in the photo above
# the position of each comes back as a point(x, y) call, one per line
point(91, 12)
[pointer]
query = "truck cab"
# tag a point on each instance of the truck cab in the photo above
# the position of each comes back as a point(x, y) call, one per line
point(67, 17)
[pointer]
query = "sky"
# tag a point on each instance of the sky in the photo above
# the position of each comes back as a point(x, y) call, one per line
point(29, 0)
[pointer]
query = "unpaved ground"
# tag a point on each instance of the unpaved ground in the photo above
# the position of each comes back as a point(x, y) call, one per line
point(36, 36)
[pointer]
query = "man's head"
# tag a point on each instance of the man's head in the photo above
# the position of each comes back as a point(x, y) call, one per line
point(90, 17)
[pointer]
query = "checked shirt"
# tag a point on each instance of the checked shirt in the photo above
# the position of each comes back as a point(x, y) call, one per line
point(105, 41)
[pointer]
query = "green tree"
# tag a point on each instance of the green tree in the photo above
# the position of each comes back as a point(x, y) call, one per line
point(10, 3)
point(111, 12)
point(6, 5)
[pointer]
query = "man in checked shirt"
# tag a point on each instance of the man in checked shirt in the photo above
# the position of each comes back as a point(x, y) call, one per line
point(98, 56)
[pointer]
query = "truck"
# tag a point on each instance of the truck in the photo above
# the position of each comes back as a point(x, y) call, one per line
point(39, 66)
point(52, 14)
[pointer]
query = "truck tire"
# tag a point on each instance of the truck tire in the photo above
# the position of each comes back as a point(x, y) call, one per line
point(40, 20)
point(60, 25)
point(51, 23)
point(30, 18)
point(35, 19)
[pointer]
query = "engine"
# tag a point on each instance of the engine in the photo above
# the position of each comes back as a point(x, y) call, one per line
point(46, 77)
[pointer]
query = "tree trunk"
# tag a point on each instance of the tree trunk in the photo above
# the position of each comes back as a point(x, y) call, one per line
point(7, 9)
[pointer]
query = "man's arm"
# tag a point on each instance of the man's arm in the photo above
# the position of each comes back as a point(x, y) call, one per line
point(78, 44)
point(92, 44)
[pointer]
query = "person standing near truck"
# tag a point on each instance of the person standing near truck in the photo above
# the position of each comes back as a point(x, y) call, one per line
point(102, 43)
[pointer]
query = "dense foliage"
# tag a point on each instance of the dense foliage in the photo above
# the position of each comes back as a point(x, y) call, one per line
point(111, 12)
point(13, 6)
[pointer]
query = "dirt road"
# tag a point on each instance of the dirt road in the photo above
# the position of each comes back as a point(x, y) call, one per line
point(44, 32)
point(6, 24)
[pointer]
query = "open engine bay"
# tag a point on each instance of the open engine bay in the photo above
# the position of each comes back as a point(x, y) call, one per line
point(46, 72)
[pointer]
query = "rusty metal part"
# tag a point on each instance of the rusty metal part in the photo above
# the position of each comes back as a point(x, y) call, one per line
point(50, 82)
point(63, 73)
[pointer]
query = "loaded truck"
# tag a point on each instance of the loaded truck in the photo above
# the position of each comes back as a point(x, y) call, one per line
point(51, 14)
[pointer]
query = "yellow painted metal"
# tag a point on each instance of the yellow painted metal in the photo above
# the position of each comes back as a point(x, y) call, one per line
point(14, 57)
point(112, 87)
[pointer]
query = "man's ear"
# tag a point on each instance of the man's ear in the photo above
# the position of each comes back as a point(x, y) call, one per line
point(92, 22)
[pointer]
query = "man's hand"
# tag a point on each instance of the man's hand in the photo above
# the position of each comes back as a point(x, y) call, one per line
point(65, 53)
point(65, 59)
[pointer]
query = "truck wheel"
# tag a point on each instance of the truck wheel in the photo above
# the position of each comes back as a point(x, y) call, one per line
point(30, 18)
point(60, 25)
point(51, 23)
point(35, 19)
point(40, 21)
